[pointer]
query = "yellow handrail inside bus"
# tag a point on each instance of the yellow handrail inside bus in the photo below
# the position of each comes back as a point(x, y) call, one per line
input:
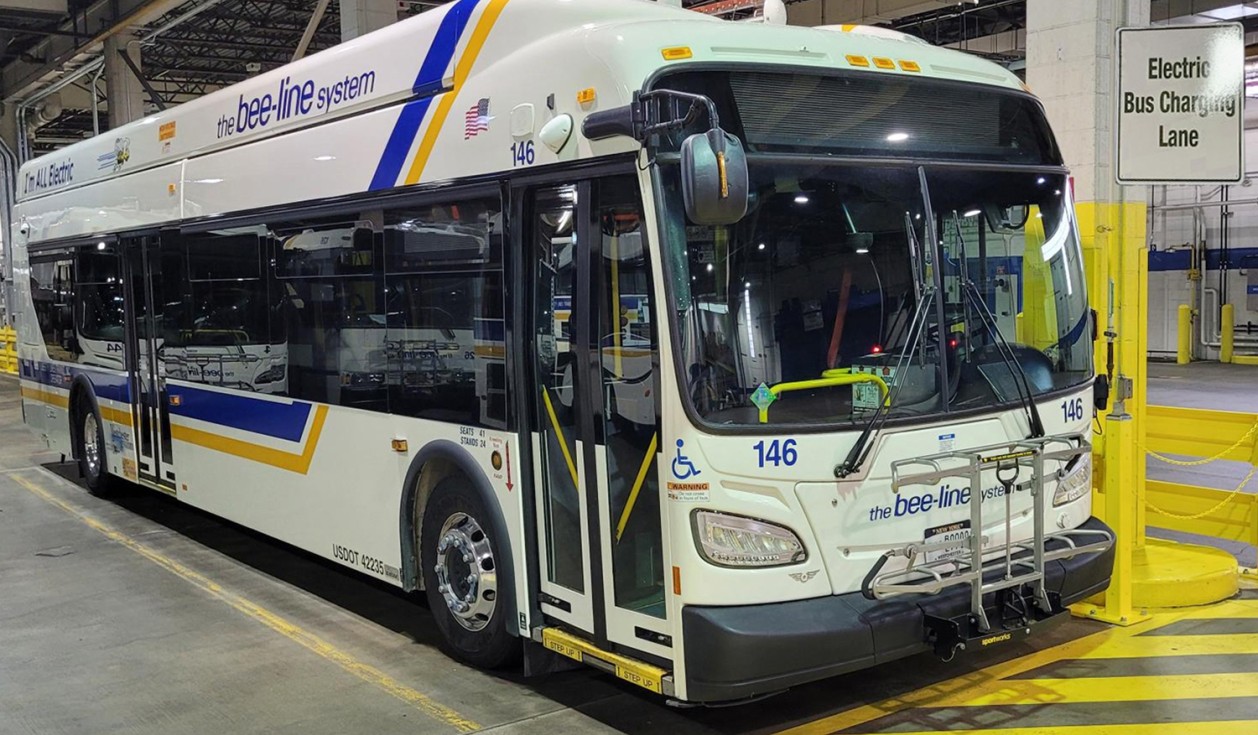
point(830, 378)
point(637, 487)
point(563, 440)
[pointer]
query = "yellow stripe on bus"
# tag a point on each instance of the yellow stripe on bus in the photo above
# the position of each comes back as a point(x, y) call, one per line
point(43, 396)
point(56, 399)
point(115, 415)
point(461, 71)
point(299, 463)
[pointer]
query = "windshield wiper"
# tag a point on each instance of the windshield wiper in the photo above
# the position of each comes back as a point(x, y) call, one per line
point(925, 294)
point(1020, 382)
point(860, 450)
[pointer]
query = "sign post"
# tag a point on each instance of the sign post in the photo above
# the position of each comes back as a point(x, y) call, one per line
point(1181, 105)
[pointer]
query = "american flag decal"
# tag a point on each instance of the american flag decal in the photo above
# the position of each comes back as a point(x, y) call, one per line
point(477, 119)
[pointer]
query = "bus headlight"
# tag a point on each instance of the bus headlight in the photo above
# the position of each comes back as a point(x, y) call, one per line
point(272, 374)
point(737, 541)
point(1075, 482)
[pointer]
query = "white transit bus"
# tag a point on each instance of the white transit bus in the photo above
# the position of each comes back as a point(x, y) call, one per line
point(720, 356)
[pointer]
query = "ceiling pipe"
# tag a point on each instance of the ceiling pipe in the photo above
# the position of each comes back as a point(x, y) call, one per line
point(95, 65)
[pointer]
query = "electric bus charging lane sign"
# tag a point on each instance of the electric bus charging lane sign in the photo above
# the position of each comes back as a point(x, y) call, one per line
point(1181, 105)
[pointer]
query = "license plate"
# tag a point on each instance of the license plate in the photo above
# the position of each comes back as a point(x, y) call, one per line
point(958, 531)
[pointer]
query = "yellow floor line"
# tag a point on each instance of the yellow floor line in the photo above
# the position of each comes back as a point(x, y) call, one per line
point(1233, 727)
point(1175, 645)
point(293, 632)
point(1107, 643)
point(1107, 689)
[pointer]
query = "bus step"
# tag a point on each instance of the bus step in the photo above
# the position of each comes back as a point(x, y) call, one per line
point(631, 670)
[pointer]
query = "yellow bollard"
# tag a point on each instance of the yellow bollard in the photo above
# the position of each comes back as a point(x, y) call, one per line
point(1227, 323)
point(1183, 354)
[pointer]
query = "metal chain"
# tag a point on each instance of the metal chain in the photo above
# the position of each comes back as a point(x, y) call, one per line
point(1205, 513)
point(1199, 462)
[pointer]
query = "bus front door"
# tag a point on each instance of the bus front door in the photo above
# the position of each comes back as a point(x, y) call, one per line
point(146, 345)
point(593, 413)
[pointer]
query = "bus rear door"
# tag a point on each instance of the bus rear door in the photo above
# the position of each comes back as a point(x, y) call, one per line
point(146, 345)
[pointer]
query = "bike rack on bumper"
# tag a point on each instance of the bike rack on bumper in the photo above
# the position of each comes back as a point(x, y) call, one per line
point(1011, 567)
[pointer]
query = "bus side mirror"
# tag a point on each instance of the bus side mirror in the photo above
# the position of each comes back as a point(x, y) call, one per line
point(714, 178)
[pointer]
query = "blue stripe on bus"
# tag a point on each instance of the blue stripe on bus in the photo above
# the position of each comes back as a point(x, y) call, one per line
point(285, 421)
point(492, 330)
point(105, 385)
point(427, 82)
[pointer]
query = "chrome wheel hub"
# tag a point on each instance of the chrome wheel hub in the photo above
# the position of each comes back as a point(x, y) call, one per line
point(467, 575)
point(91, 449)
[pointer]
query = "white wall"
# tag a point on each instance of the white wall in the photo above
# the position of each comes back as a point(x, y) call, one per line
point(1172, 230)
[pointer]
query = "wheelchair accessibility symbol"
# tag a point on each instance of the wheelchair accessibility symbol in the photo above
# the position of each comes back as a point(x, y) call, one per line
point(683, 468)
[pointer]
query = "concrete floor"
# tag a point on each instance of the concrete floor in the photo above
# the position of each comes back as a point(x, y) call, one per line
point(141, 615)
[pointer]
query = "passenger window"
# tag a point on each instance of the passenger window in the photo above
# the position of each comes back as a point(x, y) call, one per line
point(220, 332)
point(52, 291)
point(331, 304)
point(99, 315)
point(444, 345)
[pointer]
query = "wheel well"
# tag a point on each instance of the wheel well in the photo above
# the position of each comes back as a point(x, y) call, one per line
point(438, 461)
point(78, 390)
point(433, 472)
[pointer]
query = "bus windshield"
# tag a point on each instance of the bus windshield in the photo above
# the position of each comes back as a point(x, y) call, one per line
point(850, 284)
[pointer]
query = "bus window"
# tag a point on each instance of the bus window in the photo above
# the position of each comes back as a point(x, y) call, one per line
point(52, 291)
point(444, 339)
point(332, 305)
point(99, 315)
point(224, 327)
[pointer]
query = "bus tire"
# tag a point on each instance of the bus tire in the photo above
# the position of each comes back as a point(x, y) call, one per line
point(93, 465)
point(464, 584)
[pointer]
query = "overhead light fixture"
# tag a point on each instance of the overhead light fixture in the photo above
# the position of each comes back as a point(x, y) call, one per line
point(801, 198)
point(897, 137)
point(973, 213)
point(862, 251)
point(760, 246)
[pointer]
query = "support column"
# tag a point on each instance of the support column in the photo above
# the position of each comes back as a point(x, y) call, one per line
point(359, 17)
point(1071, 63)
point(123, 91)
point(8, 179)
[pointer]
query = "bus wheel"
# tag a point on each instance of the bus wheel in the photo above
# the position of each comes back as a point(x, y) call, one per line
point(461, 577)
point(92, 449)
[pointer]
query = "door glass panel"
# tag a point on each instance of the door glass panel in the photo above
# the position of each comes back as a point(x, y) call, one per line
point(138, 294)
point(629, 352)
point(554, 250)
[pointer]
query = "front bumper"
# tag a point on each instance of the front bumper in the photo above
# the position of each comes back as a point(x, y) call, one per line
point(740, 652)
